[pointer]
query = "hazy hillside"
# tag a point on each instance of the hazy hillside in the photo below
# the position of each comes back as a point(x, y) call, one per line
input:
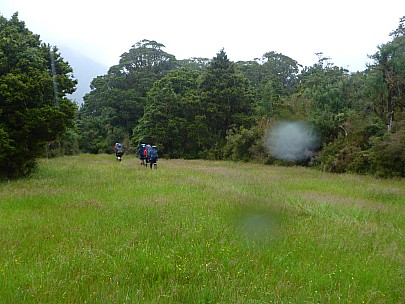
point(84, 70)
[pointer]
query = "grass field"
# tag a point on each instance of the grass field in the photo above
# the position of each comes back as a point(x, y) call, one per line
point(87, 229)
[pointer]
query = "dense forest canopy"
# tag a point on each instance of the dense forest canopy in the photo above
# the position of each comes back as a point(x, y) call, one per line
point(219, 109)
point(34, 80)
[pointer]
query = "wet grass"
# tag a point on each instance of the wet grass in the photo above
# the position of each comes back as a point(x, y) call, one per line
point(87, 229)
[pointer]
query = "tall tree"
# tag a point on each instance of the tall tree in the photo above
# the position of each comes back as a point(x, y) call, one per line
point(226, 97)
point(142, 65)
point(274, 77)
point(172, 116)
point(389, 74)
point(252, 70)
point(281, 69)
point(323, 89)
point(34, 80)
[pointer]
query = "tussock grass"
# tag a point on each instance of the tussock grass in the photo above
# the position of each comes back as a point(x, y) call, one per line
point(87, 229)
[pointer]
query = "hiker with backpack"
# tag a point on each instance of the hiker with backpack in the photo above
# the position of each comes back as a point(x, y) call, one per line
point(146, 154)
point(153, 157)
point(119, 151)
point(142, 154)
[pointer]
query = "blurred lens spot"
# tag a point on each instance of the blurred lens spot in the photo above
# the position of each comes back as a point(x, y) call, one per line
point(292, 141)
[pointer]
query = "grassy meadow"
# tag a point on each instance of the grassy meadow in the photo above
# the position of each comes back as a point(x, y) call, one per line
point(87, 229)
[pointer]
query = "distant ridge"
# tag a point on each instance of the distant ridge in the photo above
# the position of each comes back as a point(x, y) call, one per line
point(85, 70)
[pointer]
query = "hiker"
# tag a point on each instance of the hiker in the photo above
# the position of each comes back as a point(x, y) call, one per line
point(142, 154)
point(153, 157)
point(119, 151)
point(146, 154)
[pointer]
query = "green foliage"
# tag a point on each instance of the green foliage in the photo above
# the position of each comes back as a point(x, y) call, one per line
point(195, 63)
point(67, 145)
point(238, 143)
point(226, 98)
point(5, 144)
point(215, 108)
point(142, 65)
point(378, 97)
point(338, 155)
point(108, 116)
point(189, 111)
point(172, 118)
point(388, 71)
point(29, 116)
point(388, 155)
point(325, 86)
point(246, 144)
point(274, 77)
point(349, 151)
point(118, 100)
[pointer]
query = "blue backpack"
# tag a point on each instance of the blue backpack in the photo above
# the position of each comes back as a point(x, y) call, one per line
point(153, 154)
point(141, 150)
point(120, 149)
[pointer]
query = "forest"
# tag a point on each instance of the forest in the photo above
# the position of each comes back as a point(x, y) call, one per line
point(202, 108)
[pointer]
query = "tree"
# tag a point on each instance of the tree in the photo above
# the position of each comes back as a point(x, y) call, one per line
point(274, 77)
point(252, 70)
point(117, 100)
point(389, 74)
point(172, 115)
point(32, 111)
point(108, 115)
point(281, 69)
point(226, 98)
point(195, 63)
point(323, 88)
point(387, 155)
point(142, 65)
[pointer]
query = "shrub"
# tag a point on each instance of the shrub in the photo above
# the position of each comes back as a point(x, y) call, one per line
point(388, 155)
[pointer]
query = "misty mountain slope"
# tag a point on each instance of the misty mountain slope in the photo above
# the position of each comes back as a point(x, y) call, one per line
point(84, 70)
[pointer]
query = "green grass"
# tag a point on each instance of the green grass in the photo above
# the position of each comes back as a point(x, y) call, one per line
point(87, 229)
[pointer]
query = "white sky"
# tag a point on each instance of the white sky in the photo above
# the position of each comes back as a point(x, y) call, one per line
point(345, 30)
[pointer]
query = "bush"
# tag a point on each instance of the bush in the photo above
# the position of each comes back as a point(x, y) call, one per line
point(238, 144)
point(343, 155)
point(388, 155)
point(246, 144)
point(385, 157)
point(68, 145)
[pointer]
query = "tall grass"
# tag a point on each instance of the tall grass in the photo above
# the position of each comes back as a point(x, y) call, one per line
point(87, 229)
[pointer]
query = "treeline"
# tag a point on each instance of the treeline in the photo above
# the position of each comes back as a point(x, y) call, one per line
point(219, 109)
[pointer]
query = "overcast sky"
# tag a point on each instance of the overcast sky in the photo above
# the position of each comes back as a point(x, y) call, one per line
point(345, 30)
